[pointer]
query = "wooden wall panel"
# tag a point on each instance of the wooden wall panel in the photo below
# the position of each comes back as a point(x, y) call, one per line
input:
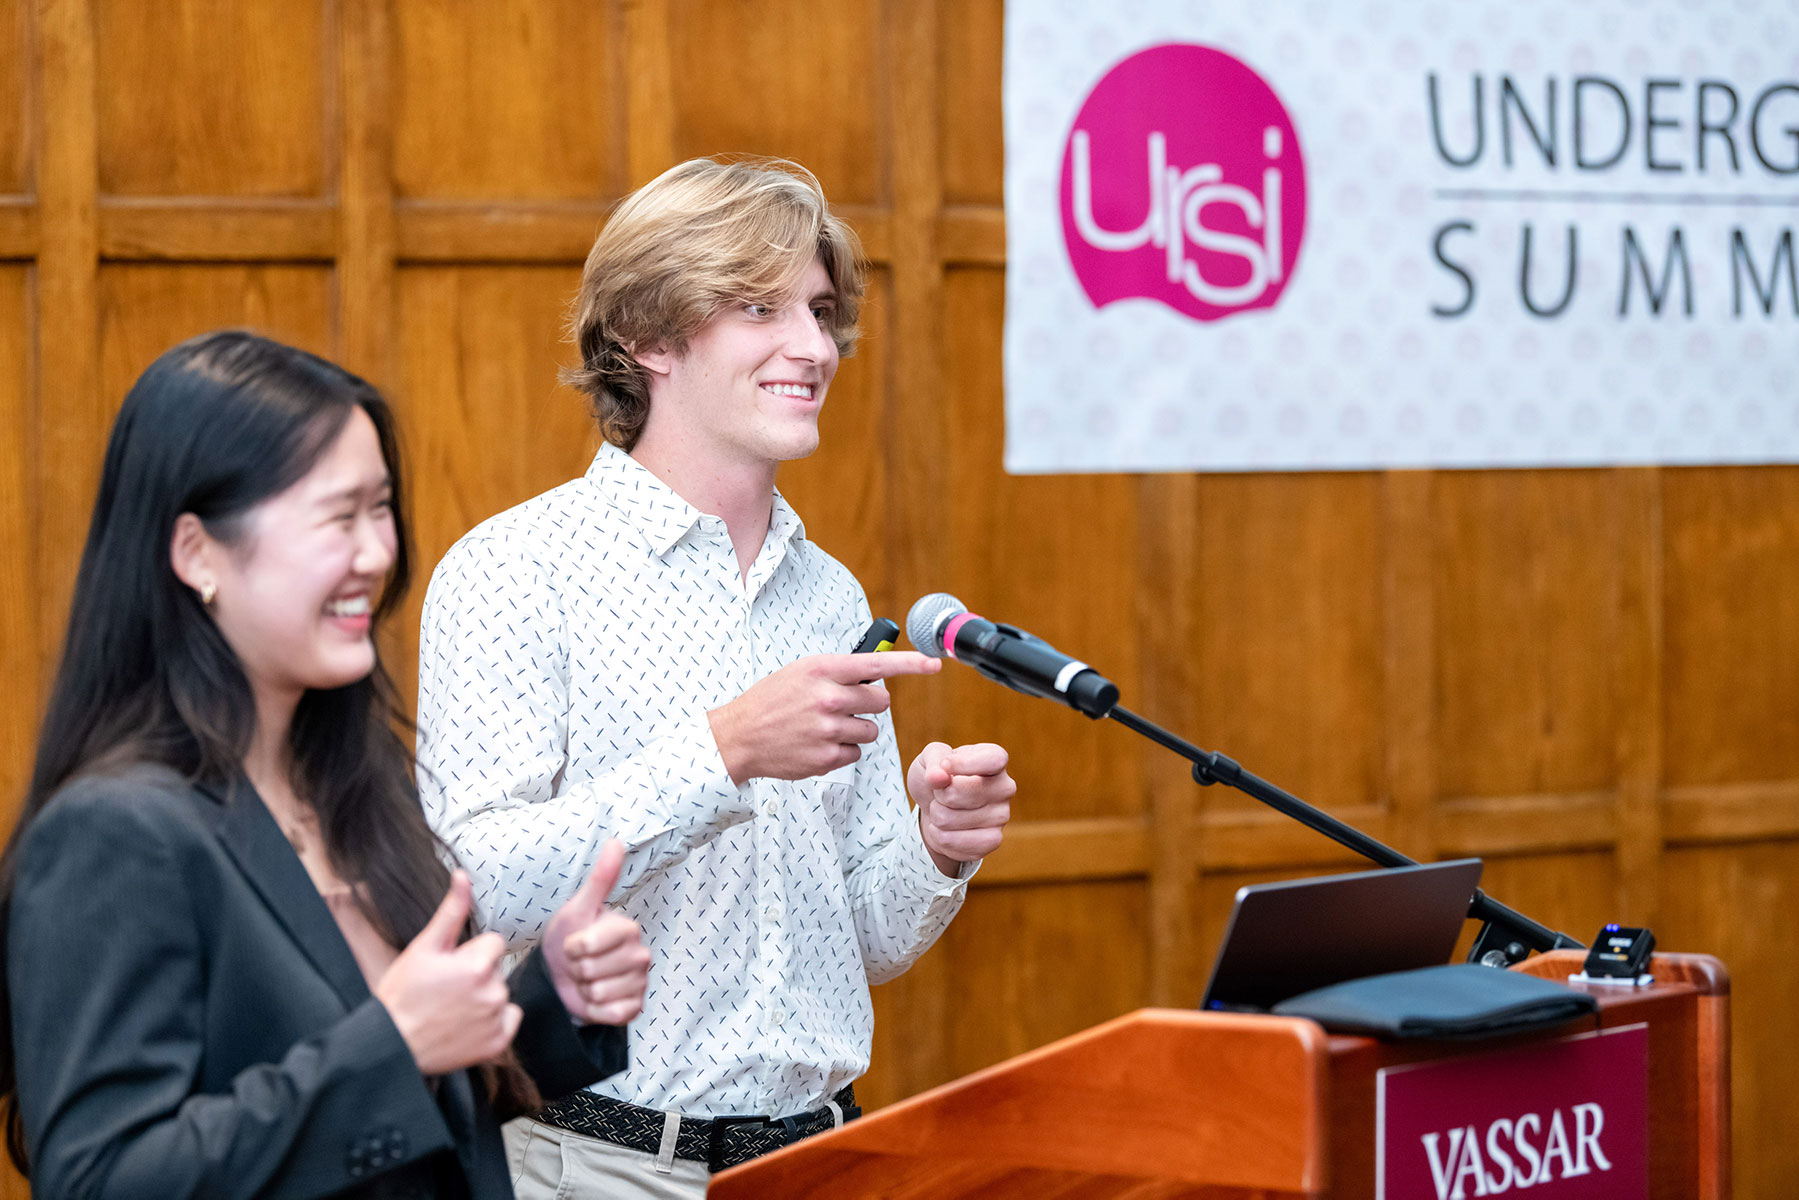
point(1590, 678)
point(486, 425)
point(16, 112)
point(509, 98)
point(65, 316)
point(763, 94)
point(145, 309)
point(1033, 964)
point(19, 649)
point(1732, 708)
point(1522, 595)
point(968, 73)
point(240, 97)
point(1288, 617)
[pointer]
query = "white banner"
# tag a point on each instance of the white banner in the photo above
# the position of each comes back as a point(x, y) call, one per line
point(1343, 235)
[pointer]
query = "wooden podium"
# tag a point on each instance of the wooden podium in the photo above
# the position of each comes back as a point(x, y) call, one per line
point(1172, 1103)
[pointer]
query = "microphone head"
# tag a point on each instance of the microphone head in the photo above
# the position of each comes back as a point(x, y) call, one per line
point(924, 624)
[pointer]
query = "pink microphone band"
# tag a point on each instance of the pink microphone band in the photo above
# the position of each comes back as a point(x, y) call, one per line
point(949, 630)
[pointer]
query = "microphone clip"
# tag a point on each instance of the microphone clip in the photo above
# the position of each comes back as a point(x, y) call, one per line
point(1075, 684)
point(1026, 689)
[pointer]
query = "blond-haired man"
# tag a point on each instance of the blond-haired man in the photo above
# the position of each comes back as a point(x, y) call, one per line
point(657, 652)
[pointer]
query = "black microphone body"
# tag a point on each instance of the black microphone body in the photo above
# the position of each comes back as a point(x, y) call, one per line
point(940, 625)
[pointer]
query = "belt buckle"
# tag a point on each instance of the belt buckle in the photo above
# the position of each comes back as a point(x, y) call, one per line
point(715, 1139)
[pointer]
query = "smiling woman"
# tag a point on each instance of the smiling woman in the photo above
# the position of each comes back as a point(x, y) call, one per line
point(292, 581)
point(236, 964)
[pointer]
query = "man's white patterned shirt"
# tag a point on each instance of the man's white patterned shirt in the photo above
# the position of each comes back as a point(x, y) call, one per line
point(570, 650)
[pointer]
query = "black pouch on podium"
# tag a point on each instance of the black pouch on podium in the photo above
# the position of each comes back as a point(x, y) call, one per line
point(1455, 1001)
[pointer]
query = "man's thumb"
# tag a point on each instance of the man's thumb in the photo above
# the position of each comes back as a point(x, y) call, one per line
point(604, 876)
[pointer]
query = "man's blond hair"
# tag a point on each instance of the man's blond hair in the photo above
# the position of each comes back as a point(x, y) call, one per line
point(694, 240)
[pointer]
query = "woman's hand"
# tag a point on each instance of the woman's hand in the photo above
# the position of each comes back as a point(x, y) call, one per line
point(596, 957)
point(450, 1002)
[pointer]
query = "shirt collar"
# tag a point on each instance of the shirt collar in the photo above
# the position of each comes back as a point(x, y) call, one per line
point(785, 525)
point(659, 513)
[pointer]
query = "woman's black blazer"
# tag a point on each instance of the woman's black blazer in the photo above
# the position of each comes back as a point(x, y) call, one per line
point(189, 1020)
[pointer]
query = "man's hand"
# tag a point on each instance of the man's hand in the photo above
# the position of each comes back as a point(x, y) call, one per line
point(964, 801)
point(596, 957)
point(806, 719)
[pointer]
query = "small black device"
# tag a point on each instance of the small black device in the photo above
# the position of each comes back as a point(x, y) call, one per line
point(880, 636)
point(1620, 956)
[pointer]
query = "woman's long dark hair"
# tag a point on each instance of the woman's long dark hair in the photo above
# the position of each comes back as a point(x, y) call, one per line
point(214, 427)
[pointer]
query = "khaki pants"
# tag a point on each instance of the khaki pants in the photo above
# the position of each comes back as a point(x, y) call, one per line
point(554, 1164)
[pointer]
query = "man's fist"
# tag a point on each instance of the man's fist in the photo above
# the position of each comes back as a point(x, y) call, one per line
point(964, 801)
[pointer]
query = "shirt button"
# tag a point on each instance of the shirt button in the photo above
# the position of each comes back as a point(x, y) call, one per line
point(772, 808)
point(779, 1018)
point(772, 912)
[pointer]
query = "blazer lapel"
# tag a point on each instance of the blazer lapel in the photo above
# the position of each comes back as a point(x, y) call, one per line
point(256, 843)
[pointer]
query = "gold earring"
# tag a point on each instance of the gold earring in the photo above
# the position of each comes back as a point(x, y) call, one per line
point(208, 591)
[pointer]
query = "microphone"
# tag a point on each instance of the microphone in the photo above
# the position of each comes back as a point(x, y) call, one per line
point(940, 625)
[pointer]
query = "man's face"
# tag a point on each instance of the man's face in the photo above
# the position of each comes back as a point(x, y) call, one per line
point(750, 385)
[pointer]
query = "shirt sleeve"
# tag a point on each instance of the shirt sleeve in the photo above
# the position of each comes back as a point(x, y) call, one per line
point(900, 901)
point(492, 750)
point(107, 967)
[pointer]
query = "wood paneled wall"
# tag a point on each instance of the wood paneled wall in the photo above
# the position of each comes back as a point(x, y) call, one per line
point(1589, 678)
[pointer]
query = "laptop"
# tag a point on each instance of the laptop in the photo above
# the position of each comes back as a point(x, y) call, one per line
point(1290, 937)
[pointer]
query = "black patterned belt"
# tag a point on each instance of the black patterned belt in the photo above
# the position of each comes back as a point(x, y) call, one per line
point(719, 1142)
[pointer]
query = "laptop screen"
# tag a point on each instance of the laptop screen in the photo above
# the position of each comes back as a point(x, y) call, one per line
point(1290, 937)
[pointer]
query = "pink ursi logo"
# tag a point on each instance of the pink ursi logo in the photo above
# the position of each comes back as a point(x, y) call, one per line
point(1182, 181)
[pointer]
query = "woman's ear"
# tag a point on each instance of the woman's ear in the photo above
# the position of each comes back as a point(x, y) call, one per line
point(194, 556)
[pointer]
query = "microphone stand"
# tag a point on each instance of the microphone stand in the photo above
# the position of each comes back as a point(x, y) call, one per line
point(1506, 936)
